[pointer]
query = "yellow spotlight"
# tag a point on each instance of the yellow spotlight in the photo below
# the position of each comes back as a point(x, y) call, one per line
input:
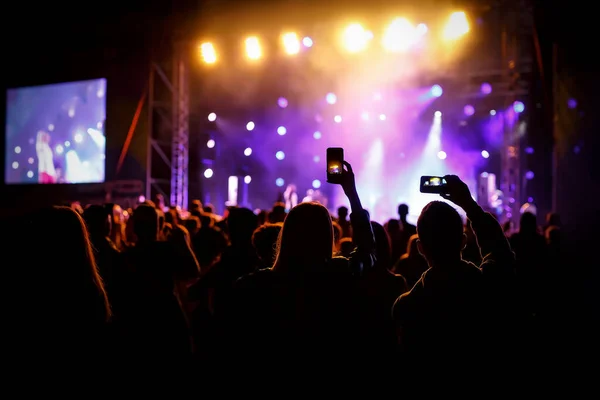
point(291, 43)
point(253, 49)
point(356, 38)
point(208, 53)
point(399, 36)
point(457, 26)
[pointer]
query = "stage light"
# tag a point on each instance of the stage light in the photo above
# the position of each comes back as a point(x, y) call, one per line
point(518, 106)
point(30, 174)
point(281, 131)
point(457, 26)
point(316, 184)
point(282, 102)
point(437, 114)
point(291, 43)
point(572, 103)
point(486, 88)
point(30, 160)
point(442, 155)
point(78, 138)
point(248, 152)
point(208, 53)
point(253, 49)
point(279, 182)
point(307, 42)
point(485, 154)
point(247, 179)
point(492, 112)
point(331, 98)
point(59, 149)
point(67, 143)
point(355, 38)
point(250, 126)
point(529, 175)
point(18, 150)
point(317, 135)
point(212, 117)
point(316, 159)
point(337, 119)
point(15, 165)
point(208, 173)
point(51, 127)
point(280, 155)
point(469, 110)
point(210, 144)
point(382, 117)
point(436, 91)
point(422, 29)
point(529, 150)
point(399, 36)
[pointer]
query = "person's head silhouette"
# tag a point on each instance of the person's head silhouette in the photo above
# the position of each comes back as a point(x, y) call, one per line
point(145, 223)
point(528, 223)
point(342, 213)
point(306, 239)
point(98, 220)
point(264, 240)
point(403, 211)
point(441, 234)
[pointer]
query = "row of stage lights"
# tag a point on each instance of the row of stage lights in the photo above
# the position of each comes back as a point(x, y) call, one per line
point(400, 36)
point(518, 107)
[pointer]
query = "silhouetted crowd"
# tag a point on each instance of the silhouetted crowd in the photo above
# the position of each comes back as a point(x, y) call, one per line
point(289, 290)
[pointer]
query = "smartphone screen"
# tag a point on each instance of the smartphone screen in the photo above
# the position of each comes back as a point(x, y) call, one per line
point(335, 164)
point(432, 184)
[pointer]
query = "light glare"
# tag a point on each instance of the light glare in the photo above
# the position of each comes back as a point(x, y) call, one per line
point(253, 49)
point(457, 26)
point(355, 38)
point(208, 53)
point(399, 36)
point(291, 43)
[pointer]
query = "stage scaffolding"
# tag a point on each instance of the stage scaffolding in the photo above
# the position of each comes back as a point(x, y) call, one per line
point(173, 109)
point(169, 101)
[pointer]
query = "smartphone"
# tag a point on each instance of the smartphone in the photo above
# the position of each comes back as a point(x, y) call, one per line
point(335, 164)
point(432, 184)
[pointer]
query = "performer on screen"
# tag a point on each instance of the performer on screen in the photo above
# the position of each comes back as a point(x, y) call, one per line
point(290, 196)
point(46, 170)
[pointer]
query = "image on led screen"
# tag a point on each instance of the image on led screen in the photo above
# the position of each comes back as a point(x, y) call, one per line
point(55, 133)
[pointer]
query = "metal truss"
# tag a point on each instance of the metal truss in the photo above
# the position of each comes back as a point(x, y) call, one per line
point(516, 36)
point(168, 131)
point(181, 144)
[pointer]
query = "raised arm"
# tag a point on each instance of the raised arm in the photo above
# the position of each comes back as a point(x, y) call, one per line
point(362, 232)
point(498, 257)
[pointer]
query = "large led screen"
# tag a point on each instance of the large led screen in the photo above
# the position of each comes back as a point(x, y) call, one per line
point(55, 133)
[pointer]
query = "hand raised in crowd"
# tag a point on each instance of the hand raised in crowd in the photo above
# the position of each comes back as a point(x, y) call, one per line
point(348, 182)
point(458, 192)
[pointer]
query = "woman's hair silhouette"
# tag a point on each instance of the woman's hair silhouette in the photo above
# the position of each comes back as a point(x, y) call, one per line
point(64, 266)
point(306, 239)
